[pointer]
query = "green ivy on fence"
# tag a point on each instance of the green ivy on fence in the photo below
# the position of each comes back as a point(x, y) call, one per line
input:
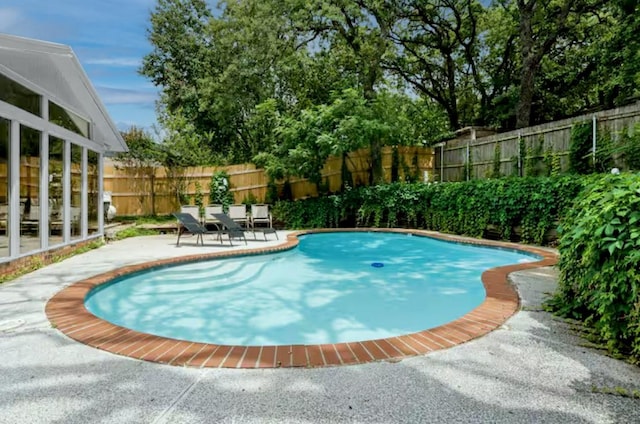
point(530, 205)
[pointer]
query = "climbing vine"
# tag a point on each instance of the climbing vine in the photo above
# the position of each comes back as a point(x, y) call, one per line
point(600, 262)
point(527, 206)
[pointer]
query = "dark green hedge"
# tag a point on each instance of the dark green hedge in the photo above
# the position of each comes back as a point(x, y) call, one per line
point(600, 262)
point(471, 208)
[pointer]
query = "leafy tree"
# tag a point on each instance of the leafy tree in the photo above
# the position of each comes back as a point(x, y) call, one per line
point(438, 51)
point(243, 81)
point(541, 25)
point(348, 123)
point(177, 60)
point(619, 62)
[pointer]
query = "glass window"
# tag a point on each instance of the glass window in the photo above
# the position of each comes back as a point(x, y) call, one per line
point(19, 95)
point(92, 184)
point(56, 184)
point(29, 189)
point(67, 119)
point(76, 191)
point(5, 139)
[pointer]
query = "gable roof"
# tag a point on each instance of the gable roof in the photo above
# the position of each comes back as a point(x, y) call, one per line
point(55, 69)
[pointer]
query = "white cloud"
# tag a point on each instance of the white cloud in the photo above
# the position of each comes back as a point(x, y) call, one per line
point(116, 61)
point(112, 96)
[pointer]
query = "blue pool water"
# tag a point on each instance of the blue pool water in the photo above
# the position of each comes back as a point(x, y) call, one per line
point(324, 291)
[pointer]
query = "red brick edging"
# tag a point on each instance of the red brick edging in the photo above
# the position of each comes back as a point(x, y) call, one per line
point(67, 313)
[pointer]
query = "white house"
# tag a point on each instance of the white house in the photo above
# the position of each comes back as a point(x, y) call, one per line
point(54, 131)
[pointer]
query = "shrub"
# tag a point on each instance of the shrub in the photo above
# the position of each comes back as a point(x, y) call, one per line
point(219, 193)
point(534, 204)
point(580, 148)
point(600, 262)
point(630, 141)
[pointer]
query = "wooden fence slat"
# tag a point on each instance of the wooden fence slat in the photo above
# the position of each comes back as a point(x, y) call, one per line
point(554, 136)
point(131, 189)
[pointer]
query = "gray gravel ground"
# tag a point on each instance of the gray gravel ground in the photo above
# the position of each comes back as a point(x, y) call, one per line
point(534, 369)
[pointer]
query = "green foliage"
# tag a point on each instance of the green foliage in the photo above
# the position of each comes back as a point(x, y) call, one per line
point(198, 198)
point(135, 232)
point(522, 156)
point(219, 190)
point(349, 122)
point(532, 204)
point(552, 162)
point(580, 148)
point(272, 193)
point(250, 199)
point(319, 212)
point(533, 165)
point(495, 171)
point(630, 149)
point(600, 261)
point(228, 79)
point(556, 165)
point(605, 151)
point(145, 219)
point(143, 152)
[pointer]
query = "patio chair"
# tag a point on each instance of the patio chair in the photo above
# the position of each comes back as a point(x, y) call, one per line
point(208, 211)
point(226, 225)
point(193, 210)
point(230, 223)
point(238, 213)
point(260, 215)
point(187, 223)
point(190, 224)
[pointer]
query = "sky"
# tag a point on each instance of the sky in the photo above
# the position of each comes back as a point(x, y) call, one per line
point(110, 39)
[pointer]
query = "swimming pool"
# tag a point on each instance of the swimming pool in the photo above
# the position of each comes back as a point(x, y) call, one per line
point(333, 288)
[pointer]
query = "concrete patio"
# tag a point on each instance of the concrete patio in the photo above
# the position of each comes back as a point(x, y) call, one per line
point(533, 369)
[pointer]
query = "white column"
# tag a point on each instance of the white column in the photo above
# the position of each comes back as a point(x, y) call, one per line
point(66, 191)
point(84, 197)
point(44, 179)
point(100, 193)
point(13, 226)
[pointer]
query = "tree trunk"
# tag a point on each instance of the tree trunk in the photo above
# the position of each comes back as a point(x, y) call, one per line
point(527, 86)
point(529, 65)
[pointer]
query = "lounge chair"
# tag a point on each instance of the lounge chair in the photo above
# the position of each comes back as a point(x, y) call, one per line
point(238, 213)
point(260, 215)
point(190, 224)
point(231, 225)
point(228, 226)
point(193, 210)
point(208, 211)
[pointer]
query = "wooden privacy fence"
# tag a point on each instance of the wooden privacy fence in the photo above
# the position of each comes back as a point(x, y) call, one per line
point(473, 153)
point(146, 191)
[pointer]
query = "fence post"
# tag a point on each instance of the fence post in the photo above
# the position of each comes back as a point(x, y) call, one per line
point(472, 138)
point(593, 136)
point(442, 162)
point(519, 154)
point(441, 146)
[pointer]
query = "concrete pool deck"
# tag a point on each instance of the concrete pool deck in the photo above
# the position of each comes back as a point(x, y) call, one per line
point(532, 369)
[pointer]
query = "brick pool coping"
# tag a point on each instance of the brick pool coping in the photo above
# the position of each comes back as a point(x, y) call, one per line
point(66, 312)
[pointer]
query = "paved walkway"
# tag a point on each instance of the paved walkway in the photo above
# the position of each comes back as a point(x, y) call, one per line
point(534, 369)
